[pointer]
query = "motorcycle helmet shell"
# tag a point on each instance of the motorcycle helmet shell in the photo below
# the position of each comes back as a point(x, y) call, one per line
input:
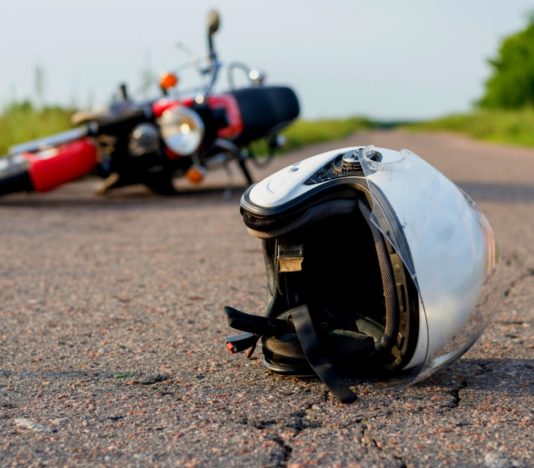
point(376, 264)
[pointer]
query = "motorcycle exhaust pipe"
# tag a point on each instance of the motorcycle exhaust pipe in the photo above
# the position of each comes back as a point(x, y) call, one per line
point(14, 175)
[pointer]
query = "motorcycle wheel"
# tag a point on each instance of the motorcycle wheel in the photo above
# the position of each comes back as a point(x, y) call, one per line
point(13, 181)
point(261, 162)
point(161, 185)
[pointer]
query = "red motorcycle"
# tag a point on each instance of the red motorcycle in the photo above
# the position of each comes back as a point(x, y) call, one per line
point(155, 141)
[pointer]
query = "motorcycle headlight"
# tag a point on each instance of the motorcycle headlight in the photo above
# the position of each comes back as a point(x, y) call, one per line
point(182, 130)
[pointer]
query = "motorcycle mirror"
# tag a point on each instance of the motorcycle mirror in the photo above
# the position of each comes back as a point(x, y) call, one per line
point(257, 77)
point(123, 92)
point(214, 21)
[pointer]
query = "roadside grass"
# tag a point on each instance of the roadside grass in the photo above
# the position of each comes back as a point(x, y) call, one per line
point(307, 132)
point(21, 121)
point(499, 126)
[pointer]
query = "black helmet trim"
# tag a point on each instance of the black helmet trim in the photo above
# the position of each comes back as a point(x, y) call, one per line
point(305, 218)
point(264, 222)
point(306, 199)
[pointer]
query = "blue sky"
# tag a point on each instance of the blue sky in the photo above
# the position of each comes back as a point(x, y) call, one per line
point(384, 58)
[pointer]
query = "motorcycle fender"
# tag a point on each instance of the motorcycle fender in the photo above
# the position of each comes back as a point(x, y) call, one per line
point(53, 167)
point(235, 123)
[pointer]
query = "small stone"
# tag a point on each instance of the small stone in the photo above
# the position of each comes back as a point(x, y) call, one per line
point(33, 426)
point(152, 379)
point(494, 460)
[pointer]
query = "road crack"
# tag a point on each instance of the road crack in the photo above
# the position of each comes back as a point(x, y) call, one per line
point(287, 450)
point(276, 431)
point(297, 423)
point(516, 281)
point(400, 459)
point(455, 392)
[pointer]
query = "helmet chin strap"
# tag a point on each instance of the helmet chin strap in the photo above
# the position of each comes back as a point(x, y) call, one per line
point(311, 344)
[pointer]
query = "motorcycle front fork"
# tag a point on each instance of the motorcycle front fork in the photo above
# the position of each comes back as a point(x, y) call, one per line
point(235, 152)
point(242, 161)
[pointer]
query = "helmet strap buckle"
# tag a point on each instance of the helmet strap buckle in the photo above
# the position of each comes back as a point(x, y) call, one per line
point(289, 256)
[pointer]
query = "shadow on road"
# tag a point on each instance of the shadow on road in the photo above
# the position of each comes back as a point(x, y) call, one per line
point(499, 192)
point(196, 197)
point(139, 198)
point(507, 376)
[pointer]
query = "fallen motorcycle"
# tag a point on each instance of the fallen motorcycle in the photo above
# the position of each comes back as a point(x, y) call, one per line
point(154, 142)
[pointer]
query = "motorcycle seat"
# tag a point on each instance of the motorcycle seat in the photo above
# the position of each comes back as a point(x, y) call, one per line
point(265, 110)
point(83, 117)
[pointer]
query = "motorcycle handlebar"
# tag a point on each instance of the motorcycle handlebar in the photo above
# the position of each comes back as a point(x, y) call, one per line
point(214, 22)
point(213, 27)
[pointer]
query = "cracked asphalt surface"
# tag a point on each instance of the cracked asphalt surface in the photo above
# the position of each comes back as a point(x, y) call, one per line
point(112, 336)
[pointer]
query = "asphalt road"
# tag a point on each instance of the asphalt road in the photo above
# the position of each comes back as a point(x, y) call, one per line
point(112, 336)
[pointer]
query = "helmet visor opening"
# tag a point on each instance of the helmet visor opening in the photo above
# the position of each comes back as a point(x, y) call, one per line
point(340, 271)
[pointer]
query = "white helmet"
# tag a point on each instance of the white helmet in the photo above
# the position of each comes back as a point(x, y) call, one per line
point(376, 263)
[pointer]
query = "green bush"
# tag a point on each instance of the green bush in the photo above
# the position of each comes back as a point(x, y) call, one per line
point(511, 84)
point(496, 125)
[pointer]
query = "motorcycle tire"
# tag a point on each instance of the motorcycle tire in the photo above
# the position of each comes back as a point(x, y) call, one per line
point(161, 185)
point(13, 181)
point(261, 162)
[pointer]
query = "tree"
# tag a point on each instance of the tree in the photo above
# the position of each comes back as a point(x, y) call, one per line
point(511, 84)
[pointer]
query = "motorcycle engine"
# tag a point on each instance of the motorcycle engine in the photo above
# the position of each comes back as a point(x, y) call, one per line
point(143, 139)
